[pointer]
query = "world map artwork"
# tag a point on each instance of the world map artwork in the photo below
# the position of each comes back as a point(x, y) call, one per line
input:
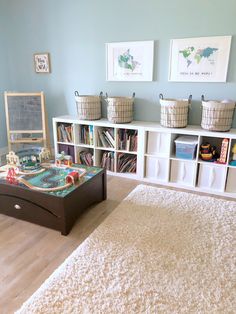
point(194, 56)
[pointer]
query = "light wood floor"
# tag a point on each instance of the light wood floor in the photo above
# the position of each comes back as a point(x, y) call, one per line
point(30, 253)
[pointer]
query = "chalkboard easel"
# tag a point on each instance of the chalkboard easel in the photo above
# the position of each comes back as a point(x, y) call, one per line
point(26, 119)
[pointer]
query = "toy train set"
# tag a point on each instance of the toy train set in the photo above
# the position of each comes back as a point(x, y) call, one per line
point(36, 162)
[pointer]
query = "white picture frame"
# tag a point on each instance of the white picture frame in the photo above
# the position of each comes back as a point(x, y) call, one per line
point(202, 59)
point(129, 61)
point(42, 62)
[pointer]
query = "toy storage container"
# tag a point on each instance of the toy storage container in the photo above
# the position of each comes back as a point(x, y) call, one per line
point(88, 107)
point(174, 112)
point(186, 147)
point(217, 115)
point(120, 109)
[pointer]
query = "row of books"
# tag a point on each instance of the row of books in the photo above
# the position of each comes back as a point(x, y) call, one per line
point(86, 134)
point(85, 158)
point(108, 161)
point(65, 133)
point(126, 163)
point(106, 137)
point(127, 140)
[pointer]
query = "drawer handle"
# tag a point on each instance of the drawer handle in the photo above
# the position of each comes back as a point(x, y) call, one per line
point(17, 206)
point(212, 177)
point(157, 168)
point(183, 174)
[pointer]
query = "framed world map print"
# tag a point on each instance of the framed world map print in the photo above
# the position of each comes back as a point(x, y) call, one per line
point(202, 59)
point(129, 61)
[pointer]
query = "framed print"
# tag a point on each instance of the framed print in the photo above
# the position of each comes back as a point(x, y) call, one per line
point(42, 63)
point(203, 59)
point(129, 61)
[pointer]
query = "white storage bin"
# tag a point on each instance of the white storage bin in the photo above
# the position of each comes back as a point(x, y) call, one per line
point(217, 115)
point(211, 177)
point(158, 144)
point(157, 169)
point(174, 112)
point(183, 172)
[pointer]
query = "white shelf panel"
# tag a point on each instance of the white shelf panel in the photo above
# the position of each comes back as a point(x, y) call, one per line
point(126, 152)
point(182, 159)
point(66, 143)
point(157, 155)
point(105, 148)
point(84, 145)
point(202, 162)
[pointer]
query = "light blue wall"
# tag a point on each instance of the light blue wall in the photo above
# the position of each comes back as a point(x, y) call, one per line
point(75, 33)
point(3, 77)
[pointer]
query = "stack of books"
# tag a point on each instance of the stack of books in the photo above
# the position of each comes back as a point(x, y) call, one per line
point(86, 134)
point(106, 137)
point(65, 133)
point(108, 161)
point(127, 140)
point(126, 163)
point(85, 158)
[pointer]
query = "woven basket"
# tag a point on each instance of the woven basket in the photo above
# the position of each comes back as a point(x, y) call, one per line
point(217, 115)
point(174, 112)
point(120, 109)
point(88, 107)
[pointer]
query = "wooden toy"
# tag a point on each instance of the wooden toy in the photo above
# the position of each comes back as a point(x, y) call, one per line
point(207, 152)
point(223, 152)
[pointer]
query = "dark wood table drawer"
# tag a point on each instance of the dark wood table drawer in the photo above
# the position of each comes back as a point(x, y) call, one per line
point(23, 209)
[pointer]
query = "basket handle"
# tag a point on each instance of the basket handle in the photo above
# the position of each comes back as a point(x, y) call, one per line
point(160, 96)
point(76, 93)
point(190, 99)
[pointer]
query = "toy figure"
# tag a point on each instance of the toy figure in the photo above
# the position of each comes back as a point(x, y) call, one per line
point(207, 152)
point(11, 176)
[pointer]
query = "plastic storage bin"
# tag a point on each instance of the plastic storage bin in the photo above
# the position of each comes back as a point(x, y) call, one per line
point(186, 147)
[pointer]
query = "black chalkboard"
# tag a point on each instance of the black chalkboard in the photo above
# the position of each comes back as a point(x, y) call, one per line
point(24, 112)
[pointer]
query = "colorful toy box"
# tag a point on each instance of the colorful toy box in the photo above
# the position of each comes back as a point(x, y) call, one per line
point(186, 147)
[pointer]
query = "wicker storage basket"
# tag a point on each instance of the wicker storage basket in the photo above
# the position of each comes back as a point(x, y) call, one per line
point(88, 107)
point(120, 109)
point(174, 112)
point(217, 115)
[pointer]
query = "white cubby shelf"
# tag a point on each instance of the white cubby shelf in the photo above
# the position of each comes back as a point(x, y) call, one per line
point(146, 151)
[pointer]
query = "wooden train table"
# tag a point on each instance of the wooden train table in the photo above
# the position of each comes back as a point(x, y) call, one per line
point(46, 198)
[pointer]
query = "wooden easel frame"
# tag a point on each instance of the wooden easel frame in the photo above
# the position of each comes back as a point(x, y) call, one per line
point(44, 139)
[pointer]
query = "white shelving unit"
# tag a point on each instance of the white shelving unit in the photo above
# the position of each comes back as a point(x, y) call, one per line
point(154, 154)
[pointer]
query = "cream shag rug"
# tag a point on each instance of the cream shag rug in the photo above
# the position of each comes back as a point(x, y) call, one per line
point(160, 251)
